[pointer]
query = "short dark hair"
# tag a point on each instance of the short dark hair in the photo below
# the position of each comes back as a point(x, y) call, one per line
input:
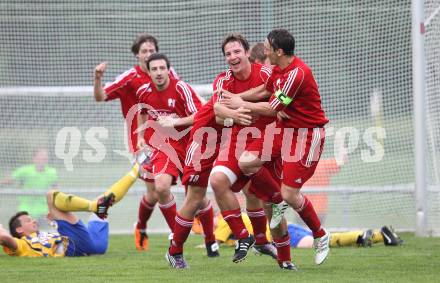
point(157, 56)
point(257, 53)
point(235, 37)
point(140, 39)
point(15, 222)
point(282, 39)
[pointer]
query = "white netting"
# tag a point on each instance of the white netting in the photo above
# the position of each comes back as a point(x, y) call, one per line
point(360, 52)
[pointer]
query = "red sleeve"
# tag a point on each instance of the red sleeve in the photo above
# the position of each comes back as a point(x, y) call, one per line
point(265, 73)
point(287, 87)
point(115, 89)
point(192, 101)
point(218, 84)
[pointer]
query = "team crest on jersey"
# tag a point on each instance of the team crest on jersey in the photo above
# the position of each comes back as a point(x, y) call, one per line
point(171, 103)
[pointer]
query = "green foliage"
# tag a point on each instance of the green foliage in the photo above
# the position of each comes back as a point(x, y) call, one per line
point(416, 261)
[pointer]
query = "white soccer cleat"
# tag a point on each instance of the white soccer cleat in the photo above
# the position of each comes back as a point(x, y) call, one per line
point(278, 210)
point(322, 247)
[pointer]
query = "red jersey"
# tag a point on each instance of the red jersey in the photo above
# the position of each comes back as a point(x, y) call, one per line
point(259, 75)
point(296, 87)
point(124, 88)
point(178, 100)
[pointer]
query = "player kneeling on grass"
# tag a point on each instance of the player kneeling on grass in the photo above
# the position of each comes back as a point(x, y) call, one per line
point(73, 237)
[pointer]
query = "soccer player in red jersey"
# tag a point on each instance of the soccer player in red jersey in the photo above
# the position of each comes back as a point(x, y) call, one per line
point(297, 102)
point(202, 150)
point(124, 88)
point(170, 106)
point(226, 176)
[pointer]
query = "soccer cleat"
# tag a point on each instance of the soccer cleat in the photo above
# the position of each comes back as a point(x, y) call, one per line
point(103, 204)
point(322, 247)
point(176, 261)
point(390, 238)
point(242, 247)
point(266, 249)
point(212, 249)
point(366, 239)
point(287, 265)
point(140, 240)
point(278, 210)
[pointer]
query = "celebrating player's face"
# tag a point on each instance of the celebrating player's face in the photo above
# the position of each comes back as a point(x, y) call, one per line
point(159, 73)
point(269, 52)
point(145, 51)
point(236, 56)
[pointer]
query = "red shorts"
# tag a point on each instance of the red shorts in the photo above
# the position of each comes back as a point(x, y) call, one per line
point(163, 163)
point(198, 163)
point(300, 151)
point(230, 154)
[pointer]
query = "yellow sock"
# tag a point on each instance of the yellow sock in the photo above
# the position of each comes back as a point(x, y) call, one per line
point(121, 187)
point(344, 239)
point(377, 237)
point(68, 202)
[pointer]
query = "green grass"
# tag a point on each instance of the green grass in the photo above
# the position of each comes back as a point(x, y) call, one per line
point(415, 261)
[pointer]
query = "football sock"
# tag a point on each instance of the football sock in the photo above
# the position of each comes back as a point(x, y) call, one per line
point(69, 202)
point(283, 248)
point(206, 216)
point(310, 218)
point(121, 187)
point(182, 228)
point(377, 237)
point(235, 222)
point(169, 212)
point(259, 224)
point(144, 213)
point(345, 238)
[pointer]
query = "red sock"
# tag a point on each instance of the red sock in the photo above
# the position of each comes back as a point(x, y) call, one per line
point(144, 213)
point(309, 216)
point(265, 182)
point(235, 222)
point(182, 228)
point(283, 248)
point(259, 224)
point(206, 216)
point(169, 212)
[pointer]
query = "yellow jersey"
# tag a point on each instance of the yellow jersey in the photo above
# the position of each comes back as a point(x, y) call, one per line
point(40, 244)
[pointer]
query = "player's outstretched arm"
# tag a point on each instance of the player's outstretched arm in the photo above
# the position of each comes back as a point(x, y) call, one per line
point(98, 90)
point(6, 239)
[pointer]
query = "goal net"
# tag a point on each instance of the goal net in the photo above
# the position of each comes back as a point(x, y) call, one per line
point(359, 51)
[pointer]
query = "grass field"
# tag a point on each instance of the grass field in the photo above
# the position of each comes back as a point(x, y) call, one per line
point(415, 261)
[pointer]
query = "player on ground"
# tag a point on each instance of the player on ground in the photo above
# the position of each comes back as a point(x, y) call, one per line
point(124, 88)
point(73, 237)
point(297, 102)
point(171, 104)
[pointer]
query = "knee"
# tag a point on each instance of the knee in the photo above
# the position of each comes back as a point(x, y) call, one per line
point(50, 196)
point(219, 182)
point(162, 187)
point(248, 163)
point(292, 196)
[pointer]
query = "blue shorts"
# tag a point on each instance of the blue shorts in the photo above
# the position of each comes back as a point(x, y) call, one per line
point(83, 240)
point(297, 233)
